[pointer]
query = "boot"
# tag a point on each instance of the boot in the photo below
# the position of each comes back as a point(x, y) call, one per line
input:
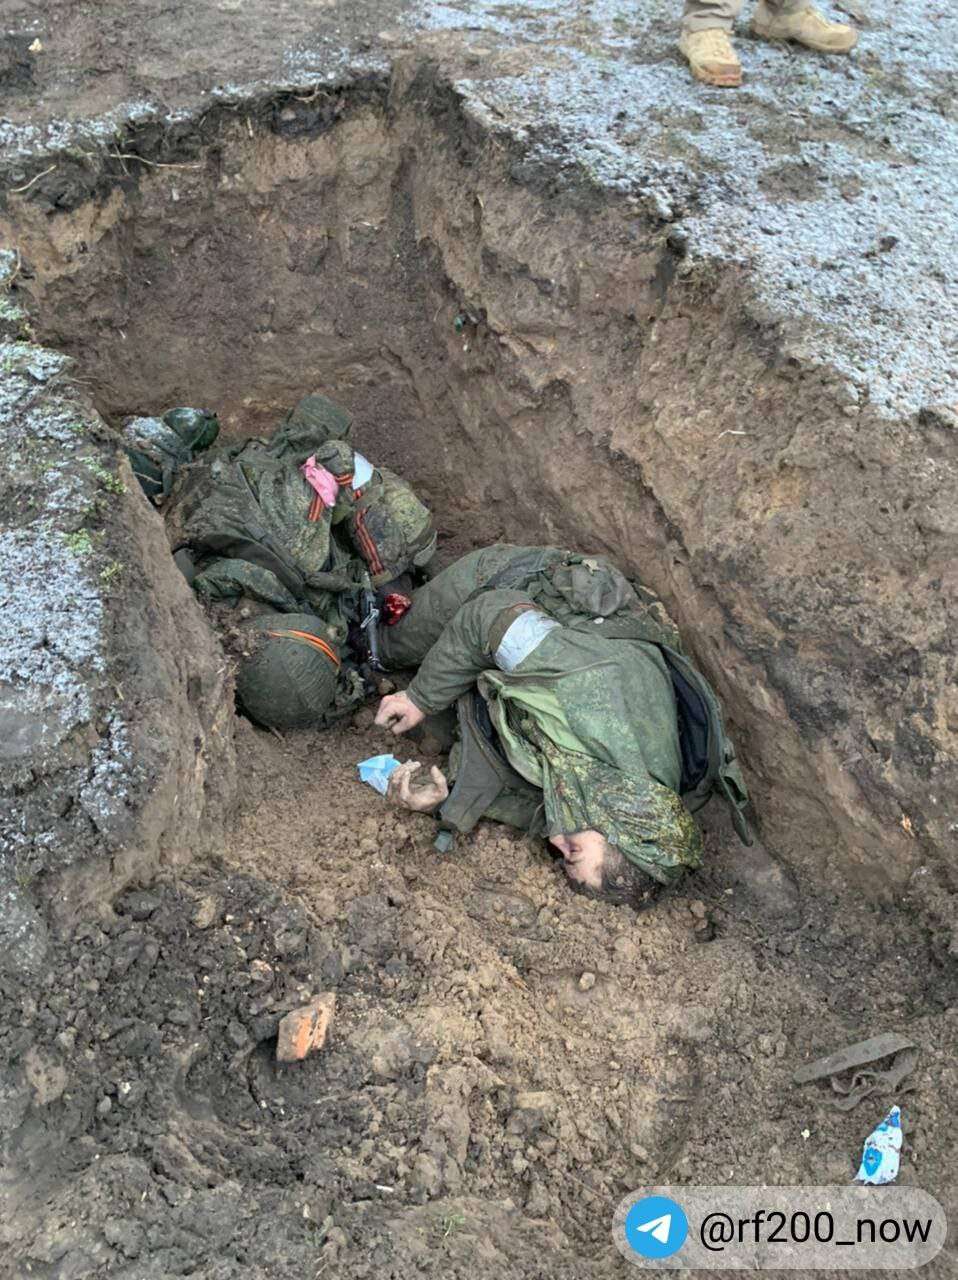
point(806, 27)
point(711, 56)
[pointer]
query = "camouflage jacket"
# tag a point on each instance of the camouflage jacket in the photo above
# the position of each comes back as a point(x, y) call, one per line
point(588, 719)
point(255, 528)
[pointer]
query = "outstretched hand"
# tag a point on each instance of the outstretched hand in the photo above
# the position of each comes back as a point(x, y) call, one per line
point(398, 712)
point(420, 797)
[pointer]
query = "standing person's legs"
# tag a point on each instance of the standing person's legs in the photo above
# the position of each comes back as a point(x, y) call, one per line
point(705, 41)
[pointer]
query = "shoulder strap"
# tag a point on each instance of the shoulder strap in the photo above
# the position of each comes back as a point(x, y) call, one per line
point(220, 515)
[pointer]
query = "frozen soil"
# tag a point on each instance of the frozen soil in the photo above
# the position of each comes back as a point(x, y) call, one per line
point(507, 1059)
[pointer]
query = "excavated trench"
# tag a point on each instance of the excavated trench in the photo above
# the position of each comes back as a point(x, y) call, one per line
point(544, 365)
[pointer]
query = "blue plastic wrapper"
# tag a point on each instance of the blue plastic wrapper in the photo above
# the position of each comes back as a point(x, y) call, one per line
point(882, 1146)
point(377, 771)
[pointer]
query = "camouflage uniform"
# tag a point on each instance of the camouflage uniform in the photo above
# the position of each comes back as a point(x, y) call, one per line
point(249, 529)
point(256, 528)
point(586, 720)
point(250, 521)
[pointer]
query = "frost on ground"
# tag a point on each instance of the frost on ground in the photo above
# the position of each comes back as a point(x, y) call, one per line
point(91, 721)
point(51, 614)
point(832, 181)
point(503, 1065)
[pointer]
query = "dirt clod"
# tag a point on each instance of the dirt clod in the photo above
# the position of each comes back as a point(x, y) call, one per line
point(303, 1030)
point(206, 912)
point(737, 413)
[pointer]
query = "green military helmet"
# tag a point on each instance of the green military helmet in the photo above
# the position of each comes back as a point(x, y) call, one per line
point(318, 414)
point(197, 428)
point(289, 678)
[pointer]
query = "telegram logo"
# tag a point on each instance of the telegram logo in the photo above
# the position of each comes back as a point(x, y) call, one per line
point(656, 1227)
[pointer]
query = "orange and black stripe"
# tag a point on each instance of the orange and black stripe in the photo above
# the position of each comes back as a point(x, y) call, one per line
point(366, 544)
point(318, 506)
point(306, 638)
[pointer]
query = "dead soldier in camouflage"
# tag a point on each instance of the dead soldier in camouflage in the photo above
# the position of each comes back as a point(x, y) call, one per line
point(569, 723)
point(280, 537)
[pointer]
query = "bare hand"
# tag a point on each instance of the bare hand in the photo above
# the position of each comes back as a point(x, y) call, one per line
point(420, 797)
point(398, 712)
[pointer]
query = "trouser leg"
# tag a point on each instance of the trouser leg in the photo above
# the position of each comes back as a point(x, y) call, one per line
point(701, 15)
point(786, 6)
point(437, 603)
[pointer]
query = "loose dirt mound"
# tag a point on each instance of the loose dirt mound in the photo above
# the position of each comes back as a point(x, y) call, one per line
point(506, 1061)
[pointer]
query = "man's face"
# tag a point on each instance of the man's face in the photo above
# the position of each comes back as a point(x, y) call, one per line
point(583, 853)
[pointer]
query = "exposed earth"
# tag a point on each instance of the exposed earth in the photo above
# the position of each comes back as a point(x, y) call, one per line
point(574, 298)
point(506, 1062)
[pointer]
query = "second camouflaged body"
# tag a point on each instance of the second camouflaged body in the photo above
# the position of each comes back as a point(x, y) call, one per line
point(255, 532)
point(251, 505)
point(587, 718)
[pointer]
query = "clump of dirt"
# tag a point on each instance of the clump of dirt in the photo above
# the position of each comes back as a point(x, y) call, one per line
point(506, 1061)
point(152, 1129)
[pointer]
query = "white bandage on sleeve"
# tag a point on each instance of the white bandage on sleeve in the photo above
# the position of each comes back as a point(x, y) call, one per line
point(362, 471)
point(522, 638)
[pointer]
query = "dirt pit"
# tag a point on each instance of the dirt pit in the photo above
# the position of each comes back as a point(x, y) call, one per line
point(547, 363)
point(507, 1060)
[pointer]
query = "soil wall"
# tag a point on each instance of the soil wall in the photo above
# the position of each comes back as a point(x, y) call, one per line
point(540, 359)
point(115, 703)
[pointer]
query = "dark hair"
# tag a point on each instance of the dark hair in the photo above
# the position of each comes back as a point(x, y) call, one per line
point(622, 882)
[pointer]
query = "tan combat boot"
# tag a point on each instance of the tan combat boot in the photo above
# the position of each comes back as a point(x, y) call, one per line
point(806, 27)
point(711, 56)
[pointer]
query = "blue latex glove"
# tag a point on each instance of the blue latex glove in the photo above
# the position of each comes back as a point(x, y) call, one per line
point(377, 771)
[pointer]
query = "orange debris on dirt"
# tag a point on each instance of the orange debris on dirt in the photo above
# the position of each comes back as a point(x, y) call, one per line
point(304, 1030)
